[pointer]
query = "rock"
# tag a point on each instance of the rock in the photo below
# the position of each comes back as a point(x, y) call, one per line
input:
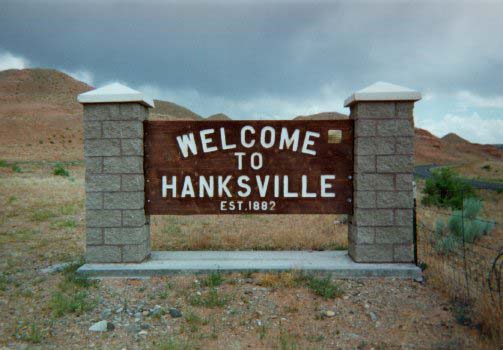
point(102, 326)
point(119, 310)
point(56, 267)
point(143, 333)
point(328, 313)
point(373, 316)
point(138, 315)
point(145, 326)
point(145, 313)
point(105, 313)
point(157, 311)
point(133, 328)
point(175, 313)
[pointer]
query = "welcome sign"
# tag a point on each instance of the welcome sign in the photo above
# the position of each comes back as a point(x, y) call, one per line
point(254, 167)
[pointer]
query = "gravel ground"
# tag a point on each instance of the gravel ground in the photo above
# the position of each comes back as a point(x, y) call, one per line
point(262, 311)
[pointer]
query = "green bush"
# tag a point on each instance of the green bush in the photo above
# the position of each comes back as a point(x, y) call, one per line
point(77, 302)
point(15, 168)
point(446, 189)
point(446, 244)
point(324, 287)
point(214, 279)
point(461, 224)
point(59, 170)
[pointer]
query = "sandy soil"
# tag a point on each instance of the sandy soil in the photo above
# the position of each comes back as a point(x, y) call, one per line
point(41, 223)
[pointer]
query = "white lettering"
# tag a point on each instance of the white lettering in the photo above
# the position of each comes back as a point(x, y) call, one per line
point(187, 189)
point(263, 136)
point(262, 186)
point(306, 194)
point(276, 186)
point(166, 186)
point(289, 141)
point(240, 159)
point(251, 130)
point(185, 142)
point(205, 140)
point(224, 140)
point(256, 165)
point(205, 186)
point(242, 182)
point(222, 186)
point(286, 192)
point(326, 186)
point(308, 142)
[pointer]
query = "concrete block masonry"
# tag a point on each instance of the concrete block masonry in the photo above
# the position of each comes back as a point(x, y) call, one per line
point(380, 229)
point(116, 226)
point(337, 263)
point(381, 224)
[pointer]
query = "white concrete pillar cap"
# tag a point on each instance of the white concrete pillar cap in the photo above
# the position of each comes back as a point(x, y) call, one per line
point(114, 93)
point(382, 91)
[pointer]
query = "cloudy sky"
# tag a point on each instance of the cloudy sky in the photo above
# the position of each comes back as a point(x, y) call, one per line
point(275, 59)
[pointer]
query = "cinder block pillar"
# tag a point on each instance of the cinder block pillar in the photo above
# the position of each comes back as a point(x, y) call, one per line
point(381, 228)
point(117, 229)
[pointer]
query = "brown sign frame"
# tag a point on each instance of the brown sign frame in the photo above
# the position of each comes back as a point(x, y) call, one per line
point(163, 156)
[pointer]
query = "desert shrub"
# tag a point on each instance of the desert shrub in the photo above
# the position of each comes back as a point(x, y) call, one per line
point(210, 299)
point(446, 244)
point(446, 189)
point(41, 215)
point(173, 343)
point(324, 287)
point(214, 279)
point(16, 168)
point(462, 224)
point(59, 170)
point(3, 163)
point(78, 302)
point(487, 167)
point(29, 332)
point(466, 222)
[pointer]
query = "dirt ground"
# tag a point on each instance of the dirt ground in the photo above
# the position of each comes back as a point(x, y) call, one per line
point(41, 224)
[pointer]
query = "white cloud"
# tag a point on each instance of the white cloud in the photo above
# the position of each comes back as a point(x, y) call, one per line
point(10, 61)
point(82, 75)
point(258, 107)
point(469, 99)
point(471, 127)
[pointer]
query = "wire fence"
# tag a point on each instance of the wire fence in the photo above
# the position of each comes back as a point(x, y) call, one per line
point(461, 251)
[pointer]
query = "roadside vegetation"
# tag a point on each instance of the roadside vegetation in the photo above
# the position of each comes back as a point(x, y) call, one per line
point(41, 225)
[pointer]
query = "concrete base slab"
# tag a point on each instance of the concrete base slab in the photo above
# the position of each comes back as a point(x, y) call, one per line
point(338, 263)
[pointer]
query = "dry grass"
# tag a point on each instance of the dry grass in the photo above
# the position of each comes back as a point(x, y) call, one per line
point(248, 232)
point(35, 204)
point(41, 223)
point(489, 170)
point(447, 271)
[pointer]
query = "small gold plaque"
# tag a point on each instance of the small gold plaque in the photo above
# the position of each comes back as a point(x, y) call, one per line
point(334, 136)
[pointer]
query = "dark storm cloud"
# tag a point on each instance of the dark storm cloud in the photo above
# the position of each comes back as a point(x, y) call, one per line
point(241, 48)
point(238, 54)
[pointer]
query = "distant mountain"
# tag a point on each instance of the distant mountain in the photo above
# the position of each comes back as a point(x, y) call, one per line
point(322, 116)
point(450, 149)
point(40, 118)
point(218, 116)
point(39, 92)
point(454, 138)
point(165, 110)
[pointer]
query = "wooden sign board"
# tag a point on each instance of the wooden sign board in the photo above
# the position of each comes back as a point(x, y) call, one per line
point(253, 167)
